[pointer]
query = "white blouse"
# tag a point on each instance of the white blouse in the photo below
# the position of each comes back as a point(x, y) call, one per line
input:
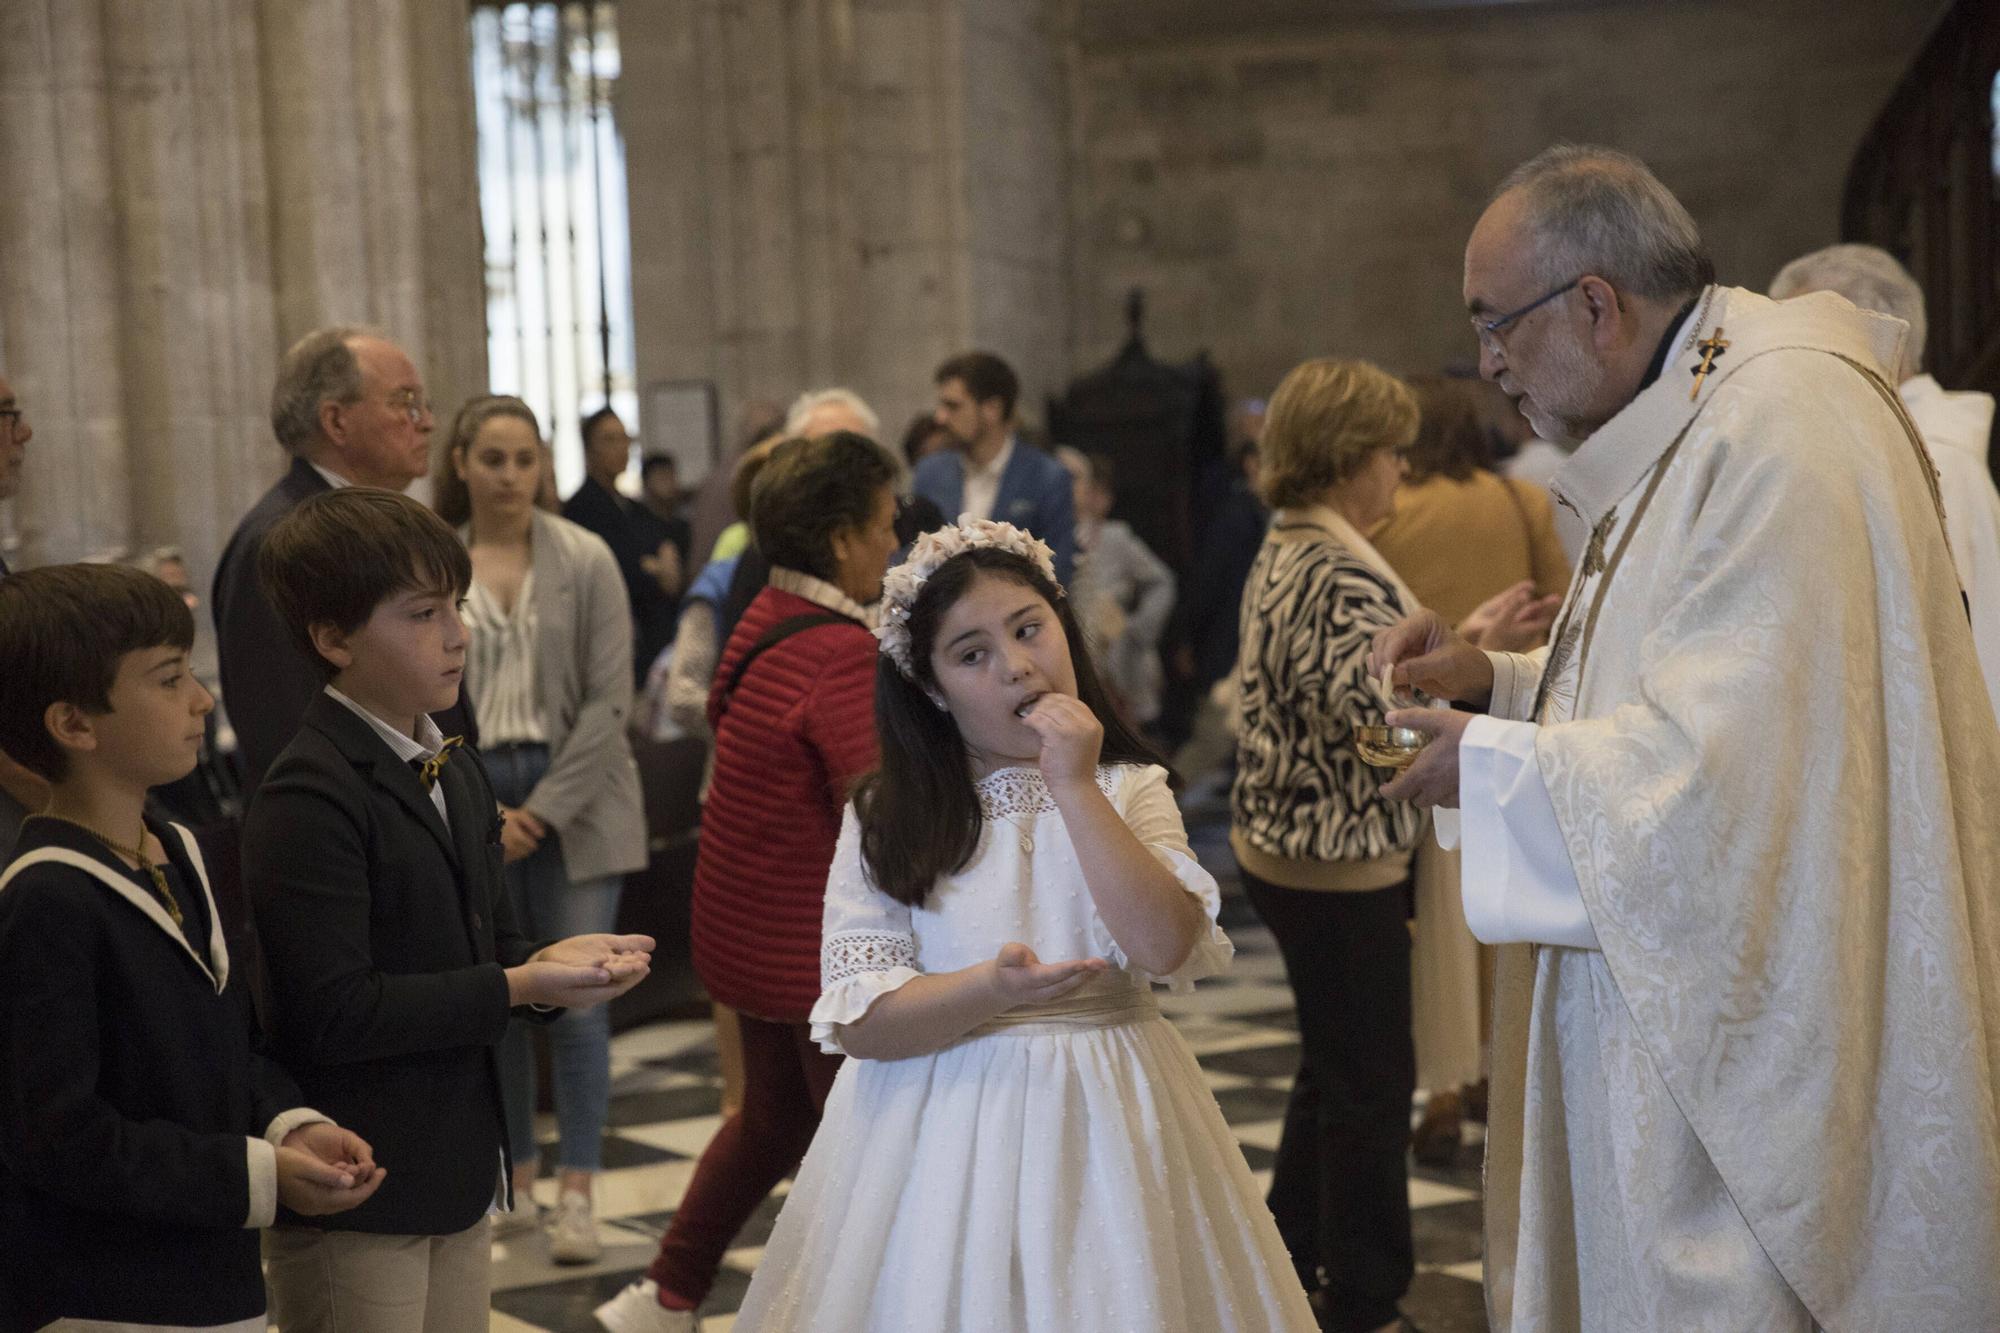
point(501, 666)
point(1024, 886)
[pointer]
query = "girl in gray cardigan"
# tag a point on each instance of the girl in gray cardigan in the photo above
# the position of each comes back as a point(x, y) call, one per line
point(550, 656)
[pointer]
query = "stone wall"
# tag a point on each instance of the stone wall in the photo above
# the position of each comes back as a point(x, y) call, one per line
point(190, 185)
point(845, 192)
point(1308, 190)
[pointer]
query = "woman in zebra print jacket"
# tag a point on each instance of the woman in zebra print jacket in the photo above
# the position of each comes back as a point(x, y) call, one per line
point(1325, 859)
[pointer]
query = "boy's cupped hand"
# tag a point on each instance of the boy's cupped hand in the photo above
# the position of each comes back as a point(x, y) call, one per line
point(324, 1169)
point(582, 970)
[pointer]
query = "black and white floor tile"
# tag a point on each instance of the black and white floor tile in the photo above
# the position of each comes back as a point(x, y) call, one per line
point(666, 1092)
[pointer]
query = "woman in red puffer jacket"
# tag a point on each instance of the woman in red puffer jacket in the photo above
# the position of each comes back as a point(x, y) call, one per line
point(794, 719)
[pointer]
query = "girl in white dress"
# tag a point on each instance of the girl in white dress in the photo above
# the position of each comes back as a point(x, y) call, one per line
point(1022, 1142)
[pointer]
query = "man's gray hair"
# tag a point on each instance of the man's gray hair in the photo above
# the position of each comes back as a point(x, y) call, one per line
point(1599, 211)
point(320, 368)
point(1870, 277)
point(804, 405)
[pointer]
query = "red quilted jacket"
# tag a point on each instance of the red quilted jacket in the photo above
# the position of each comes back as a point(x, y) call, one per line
point(799, 731)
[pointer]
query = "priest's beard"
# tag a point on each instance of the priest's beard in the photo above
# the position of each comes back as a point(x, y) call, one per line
point(1567, 382)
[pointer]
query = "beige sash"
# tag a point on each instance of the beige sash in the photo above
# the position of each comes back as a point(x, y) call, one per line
point(1112, 1000)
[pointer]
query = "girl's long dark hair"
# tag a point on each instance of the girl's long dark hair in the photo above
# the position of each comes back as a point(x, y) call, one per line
point(920, 816)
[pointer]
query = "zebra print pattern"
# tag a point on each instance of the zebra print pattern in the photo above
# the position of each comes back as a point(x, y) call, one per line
point(1309, 611)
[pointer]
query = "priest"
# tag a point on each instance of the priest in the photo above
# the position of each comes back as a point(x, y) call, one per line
point(1739, 826)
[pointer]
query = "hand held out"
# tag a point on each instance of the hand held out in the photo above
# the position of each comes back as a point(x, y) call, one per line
point(1021, 978)
point(581, 971)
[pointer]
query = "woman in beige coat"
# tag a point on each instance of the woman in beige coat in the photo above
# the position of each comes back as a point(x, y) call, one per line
point(549, 666)
point(1482, 551)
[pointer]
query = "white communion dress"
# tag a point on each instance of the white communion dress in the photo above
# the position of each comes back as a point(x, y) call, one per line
point(1061, 1169)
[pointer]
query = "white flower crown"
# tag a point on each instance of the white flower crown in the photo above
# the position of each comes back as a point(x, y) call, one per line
point(902, 585)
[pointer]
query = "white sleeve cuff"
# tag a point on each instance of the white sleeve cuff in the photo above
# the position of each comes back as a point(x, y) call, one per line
point(857, 968)
point(263, 1162)
point(1516, 678)
point(850, 1000)
point(1212, 952)
point(298, 1116)
point(1518, 884)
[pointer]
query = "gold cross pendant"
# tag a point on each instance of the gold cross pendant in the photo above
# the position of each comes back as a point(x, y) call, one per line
point(1711, 347)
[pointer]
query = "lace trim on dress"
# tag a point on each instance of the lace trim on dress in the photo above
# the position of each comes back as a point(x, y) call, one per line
point(1012, 793)
point(851, 954)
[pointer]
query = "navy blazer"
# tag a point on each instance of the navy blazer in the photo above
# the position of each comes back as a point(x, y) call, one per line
point(385, 938)
point(1036, 493)
point(133, 1081)
point(267, 681)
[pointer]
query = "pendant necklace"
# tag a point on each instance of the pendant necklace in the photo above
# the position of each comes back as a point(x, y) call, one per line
point(138, 853)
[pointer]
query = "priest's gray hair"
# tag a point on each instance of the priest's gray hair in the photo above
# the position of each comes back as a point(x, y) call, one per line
point(806, 403)
point(1599, 211)
point(1870, 277)
point(320, 368)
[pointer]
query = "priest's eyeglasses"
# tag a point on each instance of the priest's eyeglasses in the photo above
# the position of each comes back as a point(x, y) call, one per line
point(1488, 330)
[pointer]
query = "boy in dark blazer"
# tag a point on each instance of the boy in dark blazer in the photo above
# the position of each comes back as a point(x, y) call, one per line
point(143, 1137)
point(373, 860)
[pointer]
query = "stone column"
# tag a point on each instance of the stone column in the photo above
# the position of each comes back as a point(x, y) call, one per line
point(190, 185)
point(844, 192)
point(60, 304)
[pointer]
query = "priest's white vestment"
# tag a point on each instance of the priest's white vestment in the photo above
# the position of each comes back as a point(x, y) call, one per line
point(1744, 836)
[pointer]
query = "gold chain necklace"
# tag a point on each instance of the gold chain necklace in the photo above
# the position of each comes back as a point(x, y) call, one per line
point(159, 878)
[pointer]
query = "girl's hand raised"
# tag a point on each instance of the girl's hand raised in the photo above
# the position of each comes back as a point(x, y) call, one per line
point(1071, 738)
point(1021, 978)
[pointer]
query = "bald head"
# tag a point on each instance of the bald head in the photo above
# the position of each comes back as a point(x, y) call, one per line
point(1583, 209)
point(1573, 276)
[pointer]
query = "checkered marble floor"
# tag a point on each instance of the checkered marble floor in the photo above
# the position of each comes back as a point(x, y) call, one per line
point(666, 1093)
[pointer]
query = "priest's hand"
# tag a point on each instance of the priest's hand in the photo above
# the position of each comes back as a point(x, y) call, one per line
point(1430, 656)
point(1433, 779)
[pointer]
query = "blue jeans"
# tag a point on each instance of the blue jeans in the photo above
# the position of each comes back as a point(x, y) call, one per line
point(548, 906)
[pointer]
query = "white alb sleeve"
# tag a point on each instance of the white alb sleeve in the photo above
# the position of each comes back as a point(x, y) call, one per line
point(1516, 877)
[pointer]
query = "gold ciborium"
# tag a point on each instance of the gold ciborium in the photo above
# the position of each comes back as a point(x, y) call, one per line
point(1389, 747)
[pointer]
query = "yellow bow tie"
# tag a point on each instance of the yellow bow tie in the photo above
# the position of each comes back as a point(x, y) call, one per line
point(428, 769)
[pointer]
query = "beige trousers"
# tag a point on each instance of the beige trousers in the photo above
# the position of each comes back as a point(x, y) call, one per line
point(353, 1282)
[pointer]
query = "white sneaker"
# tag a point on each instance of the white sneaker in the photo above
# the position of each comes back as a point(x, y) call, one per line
point(523, 1219)
point(637, 1309)
point(573, 1231)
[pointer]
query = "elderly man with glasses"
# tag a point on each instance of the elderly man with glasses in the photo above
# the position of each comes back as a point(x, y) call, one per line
point(349, 407)
point(1738, 828)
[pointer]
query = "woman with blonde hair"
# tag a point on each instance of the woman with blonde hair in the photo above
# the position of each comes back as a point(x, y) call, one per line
point(1325, 858)
point(1482, 551)
point(549, 665)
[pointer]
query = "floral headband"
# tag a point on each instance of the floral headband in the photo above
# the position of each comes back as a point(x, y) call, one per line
point(902, 585)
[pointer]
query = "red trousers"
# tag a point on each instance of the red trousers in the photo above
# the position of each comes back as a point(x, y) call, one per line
point(786, 1078)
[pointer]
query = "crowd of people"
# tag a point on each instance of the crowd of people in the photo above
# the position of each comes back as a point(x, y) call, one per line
point(1672, 740)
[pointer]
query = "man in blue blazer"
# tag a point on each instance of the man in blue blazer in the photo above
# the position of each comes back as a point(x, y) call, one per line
point(988, 472)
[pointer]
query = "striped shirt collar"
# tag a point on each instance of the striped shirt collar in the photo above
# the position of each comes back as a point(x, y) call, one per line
point(429, 740)
point(821, 593)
